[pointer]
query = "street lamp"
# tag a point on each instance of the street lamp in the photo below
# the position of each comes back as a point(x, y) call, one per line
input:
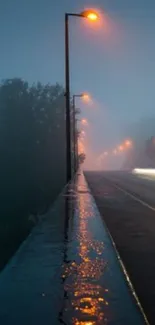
point(75, 146)
point(91, 15)
point(128, 143)
point(86, 97)
point(120, 148)
point(84, 121)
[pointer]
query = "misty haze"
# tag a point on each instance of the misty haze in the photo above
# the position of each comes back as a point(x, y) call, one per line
point(77, 162)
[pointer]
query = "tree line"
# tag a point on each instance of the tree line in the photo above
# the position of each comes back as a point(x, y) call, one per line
point(32, 154)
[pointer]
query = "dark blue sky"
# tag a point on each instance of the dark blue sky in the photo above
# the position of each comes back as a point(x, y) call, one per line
point(115, 63)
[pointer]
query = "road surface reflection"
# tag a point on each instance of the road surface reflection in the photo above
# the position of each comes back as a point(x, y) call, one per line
point(86, 300)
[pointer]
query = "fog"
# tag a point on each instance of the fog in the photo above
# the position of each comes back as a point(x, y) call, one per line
point(113, 60)
point(106, 135)
point(125, 86)
point(139, 132)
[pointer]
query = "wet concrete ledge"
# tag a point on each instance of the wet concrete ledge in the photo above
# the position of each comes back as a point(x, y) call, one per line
point(67, 271)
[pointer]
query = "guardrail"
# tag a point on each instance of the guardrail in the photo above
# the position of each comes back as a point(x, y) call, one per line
point(68, 271)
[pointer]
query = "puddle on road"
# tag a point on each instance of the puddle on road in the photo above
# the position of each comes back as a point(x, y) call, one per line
point(85, 298)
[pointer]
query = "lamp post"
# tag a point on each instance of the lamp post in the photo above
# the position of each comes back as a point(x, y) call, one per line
point(75, 147)
point(92, 16)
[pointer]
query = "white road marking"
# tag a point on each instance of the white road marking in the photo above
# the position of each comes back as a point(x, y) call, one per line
point(134, 197)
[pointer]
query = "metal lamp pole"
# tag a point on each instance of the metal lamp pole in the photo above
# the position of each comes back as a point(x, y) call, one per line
point(92, 16)
point(74, 132)
point(67, 94)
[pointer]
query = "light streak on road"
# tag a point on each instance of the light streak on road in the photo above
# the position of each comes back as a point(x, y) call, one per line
point(144, 171)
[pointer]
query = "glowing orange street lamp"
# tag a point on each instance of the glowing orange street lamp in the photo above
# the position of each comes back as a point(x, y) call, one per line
point(93, 16)
point(120, 148)
point(75, 150)
point(90, 14)
point(128, 143)
point(85, 97)
point(84, 121)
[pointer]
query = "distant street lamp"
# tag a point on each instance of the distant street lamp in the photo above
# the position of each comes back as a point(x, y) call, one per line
point(91, 15)
point(120, 148)
point(86, 97)
point(75, 144)
point(84, 121)
point(128, 143)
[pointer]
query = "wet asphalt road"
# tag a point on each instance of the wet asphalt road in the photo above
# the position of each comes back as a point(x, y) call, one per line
point(130, 218)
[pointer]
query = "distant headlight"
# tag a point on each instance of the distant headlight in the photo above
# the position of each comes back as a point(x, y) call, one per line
point(144, 171)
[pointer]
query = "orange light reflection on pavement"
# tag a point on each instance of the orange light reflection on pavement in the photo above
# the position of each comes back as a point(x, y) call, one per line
point(87, 296)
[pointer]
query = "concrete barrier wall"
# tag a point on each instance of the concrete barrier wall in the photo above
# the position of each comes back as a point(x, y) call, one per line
point(67, 271)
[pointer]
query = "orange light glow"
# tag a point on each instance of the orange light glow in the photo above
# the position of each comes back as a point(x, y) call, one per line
point(85, 97)
point(81, 147)
point(92, 16)
point(128, 143)
point(121, 148)
point(88, 297)
point(84, 121)
point(84, 323)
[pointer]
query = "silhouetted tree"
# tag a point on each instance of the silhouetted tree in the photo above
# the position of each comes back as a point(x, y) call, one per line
point(32, 150)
